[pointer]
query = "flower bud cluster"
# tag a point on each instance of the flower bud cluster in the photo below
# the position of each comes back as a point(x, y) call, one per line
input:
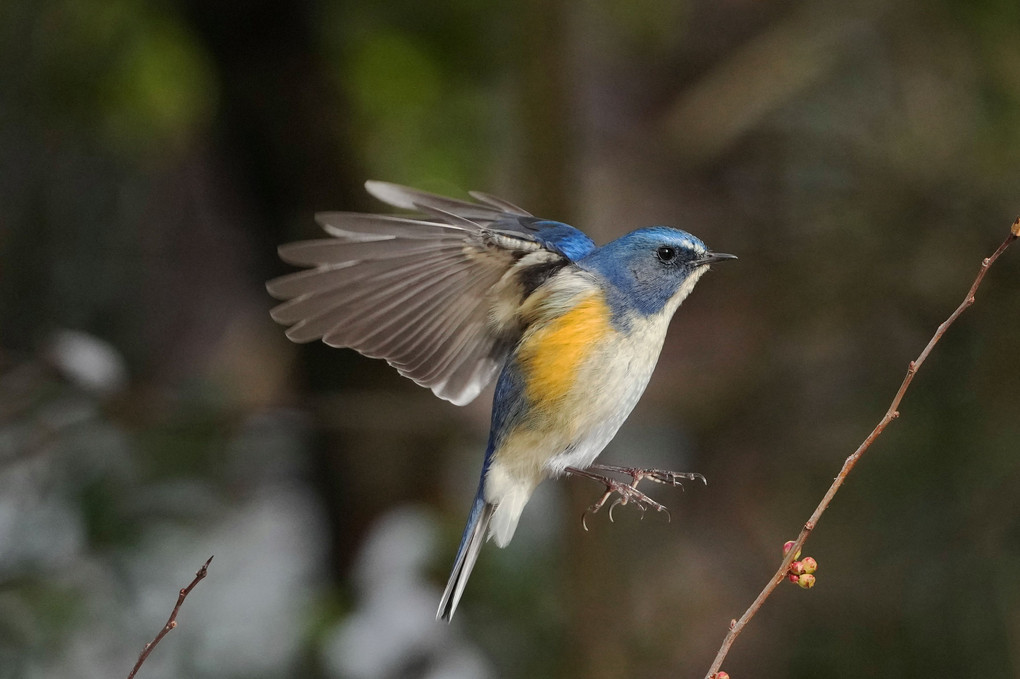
point(802, 571)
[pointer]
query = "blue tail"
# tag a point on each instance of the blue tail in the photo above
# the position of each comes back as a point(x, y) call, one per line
point(470, 544)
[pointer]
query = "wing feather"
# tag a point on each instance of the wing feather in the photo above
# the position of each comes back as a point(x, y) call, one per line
point(330, 251)
point(324, 313)
point(397, 311)
point(444, 343)
point(344, 224)
point(500, 204)
point(413, 199)
point(345, 274)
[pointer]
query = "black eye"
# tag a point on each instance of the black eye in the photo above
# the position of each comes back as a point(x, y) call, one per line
point(666, 253)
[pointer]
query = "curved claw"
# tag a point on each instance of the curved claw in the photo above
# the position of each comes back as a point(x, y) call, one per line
point(617, 501)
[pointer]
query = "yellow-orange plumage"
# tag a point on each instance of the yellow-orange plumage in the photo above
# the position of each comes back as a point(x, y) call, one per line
point(551, 357)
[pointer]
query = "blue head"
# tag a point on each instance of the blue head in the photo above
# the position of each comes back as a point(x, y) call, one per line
point(651, 270)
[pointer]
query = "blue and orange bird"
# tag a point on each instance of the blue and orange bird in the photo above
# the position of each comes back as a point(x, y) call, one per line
point(461, 291)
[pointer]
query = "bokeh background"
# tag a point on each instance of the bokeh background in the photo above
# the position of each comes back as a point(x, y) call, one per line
point(860, 158)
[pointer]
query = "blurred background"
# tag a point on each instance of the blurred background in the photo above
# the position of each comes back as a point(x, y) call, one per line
point(861, 158)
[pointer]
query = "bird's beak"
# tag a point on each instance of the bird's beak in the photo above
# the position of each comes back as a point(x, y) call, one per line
point(712, 257)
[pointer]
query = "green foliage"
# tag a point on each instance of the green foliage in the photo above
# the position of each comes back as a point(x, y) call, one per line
point(127, 71)
point(426, 98)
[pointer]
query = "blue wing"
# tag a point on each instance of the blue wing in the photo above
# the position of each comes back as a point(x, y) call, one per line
point(556, 236)
point(432, 294)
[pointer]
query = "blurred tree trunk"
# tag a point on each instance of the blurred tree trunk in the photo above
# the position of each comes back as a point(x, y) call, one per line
point(546, 180)
point(282, 133)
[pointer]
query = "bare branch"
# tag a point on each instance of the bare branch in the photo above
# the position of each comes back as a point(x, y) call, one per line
point(736, 626)
point(171, 623)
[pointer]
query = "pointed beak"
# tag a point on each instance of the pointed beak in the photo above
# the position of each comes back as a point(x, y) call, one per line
point(712, 257)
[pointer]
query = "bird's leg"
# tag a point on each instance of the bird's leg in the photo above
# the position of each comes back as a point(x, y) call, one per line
point(665, 476)
point(627, 492)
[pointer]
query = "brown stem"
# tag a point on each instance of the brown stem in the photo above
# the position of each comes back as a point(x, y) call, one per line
point(736, 626)
point(171, 623)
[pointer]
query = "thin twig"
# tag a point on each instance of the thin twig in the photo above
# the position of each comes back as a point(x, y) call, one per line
point(736, 626)
point(171, 623)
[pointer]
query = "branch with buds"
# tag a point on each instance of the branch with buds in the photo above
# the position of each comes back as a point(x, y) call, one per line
point(792, 549)
point(171, 623)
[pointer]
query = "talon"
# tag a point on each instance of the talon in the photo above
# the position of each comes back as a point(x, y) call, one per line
point(617, 501)
point(629, 493)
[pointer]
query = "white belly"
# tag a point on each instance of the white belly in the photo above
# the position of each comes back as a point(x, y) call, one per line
point(605, 397)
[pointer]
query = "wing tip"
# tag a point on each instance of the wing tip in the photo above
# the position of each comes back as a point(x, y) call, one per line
point(390, 193)
point(295, 336)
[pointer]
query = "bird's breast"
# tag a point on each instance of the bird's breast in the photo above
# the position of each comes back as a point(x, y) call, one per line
point(581, 377)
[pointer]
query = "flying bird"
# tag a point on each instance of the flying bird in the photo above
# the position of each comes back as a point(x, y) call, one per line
point(463, 292)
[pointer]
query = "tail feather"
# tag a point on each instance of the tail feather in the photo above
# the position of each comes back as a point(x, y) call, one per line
point(470, 544)
point(507, 512)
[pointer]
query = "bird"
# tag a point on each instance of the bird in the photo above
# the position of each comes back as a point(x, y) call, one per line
point(454, 293)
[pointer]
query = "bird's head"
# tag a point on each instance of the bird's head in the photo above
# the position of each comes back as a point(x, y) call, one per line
point(651, 270)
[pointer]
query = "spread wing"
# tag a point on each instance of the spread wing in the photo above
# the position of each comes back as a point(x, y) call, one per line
point(434, 294)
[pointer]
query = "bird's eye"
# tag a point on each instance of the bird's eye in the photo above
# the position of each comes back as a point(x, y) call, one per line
point(666, 253)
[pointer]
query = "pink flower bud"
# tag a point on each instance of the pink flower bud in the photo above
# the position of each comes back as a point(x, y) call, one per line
point(788, 546)
point(797, 567)
point(721, 675)
point(810, 565)
point(806, 581)
point(792, 577)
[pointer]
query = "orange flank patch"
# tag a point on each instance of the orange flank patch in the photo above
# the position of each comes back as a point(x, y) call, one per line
point(553, 354)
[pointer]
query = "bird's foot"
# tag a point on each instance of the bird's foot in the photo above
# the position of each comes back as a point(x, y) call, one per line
point(664, 476)
point(628, 492)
